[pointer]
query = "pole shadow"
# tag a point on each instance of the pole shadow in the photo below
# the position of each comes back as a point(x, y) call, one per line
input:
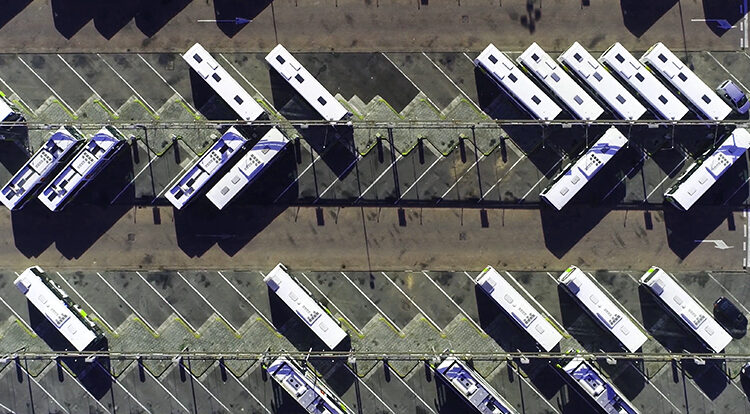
point(228, 11)
point(638, 16)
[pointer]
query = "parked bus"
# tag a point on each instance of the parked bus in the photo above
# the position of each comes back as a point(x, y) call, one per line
point(474, 389)
point(597, 387)
point(310, 392)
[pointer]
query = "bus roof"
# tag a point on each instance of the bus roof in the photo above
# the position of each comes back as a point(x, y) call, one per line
point(300, 301)
point(599, 305)
point(700, 176)
point(207, 165)
point(686, 309)
point(512, 79)
point(311, 393)
point(54, 309)
point(575, 176)
point(580, 61)
point(249, 166)
point(471, 386)
point(538, 62)
point(518, 308)
point(703, 98)
point(596, 386)
point(643, 82)
point(305, 84)
point(39, 167)
point(82, 168)
point(222, 83)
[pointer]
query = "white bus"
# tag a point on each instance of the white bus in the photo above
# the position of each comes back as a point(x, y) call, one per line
point(571, 179)
point(707, 104)
point(512, 80)
point(310, 392)
point(83, 168)
point(224, 85)
point(206, 167)
point(643, 82)
point(578, 60)
point(248, 168)
point(301, 302)
point(686, 309)
point(8, 111)
point(518, 308)
point(56, 151)
point(52, 302)
point(601, 308)
point(588, 379)
point(473, 388)
point(538, 62)
point(306, 85)
point(704, 172)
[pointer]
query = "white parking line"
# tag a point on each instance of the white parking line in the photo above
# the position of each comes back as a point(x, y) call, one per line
point(501, 178)
point(330, 302)
point(44, 390)
point(127, 303)
point(726, 70)
point(667, 177)
point(140, 98)
point(417, 180)
point(338, 177)
point(412, 302)
point(374, 394)
point(298, 176)
point(481, 157)
point(625, 176)
point(185, 101)
point(541, 397)
point(78, 382)
point(736, 191)
point(48, 87)
point(231, 374)
point(114, 379)
point(632, 278)
point(89, 86)
point(134, 178)
point(469, 276)
point(451, 81)
point(244, 78)
point(470, 59)
point(179, 315)
point(163, 387)
point(540, 180)
point(388, 168)
point(204, 387)
point(267, 320)
point(648, 381)
point(460, 309)
point(395, 374)
point(410, 81)
point(110, 327)
point(17, 95)
point(7, 409)
point(26, 324)
point(729, 292)
point(210, 305)
point(372, 303)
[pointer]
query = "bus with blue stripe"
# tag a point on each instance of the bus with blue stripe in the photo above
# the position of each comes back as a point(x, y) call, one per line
point(310, 392)
point(473, 388)
point(589, 380)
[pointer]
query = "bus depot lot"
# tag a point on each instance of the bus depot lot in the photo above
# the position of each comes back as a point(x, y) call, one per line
point(384, 312)
point(425, 165)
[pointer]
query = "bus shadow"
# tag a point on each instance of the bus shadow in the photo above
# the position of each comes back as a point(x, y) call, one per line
point(564, 229)
point(227, 11)
point(447, 401)
point(10, 9)
point(79, 225)
point(209, 103)
point(638, 16)
point(687, 229)
point(663, 326)
point(12, 156)
point(581, 325)
point(709, 375)
point(498, 325)
point(729, 10)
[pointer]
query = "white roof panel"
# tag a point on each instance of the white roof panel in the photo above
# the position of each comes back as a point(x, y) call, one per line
point(473, 388)
point(703, 98)
point(575, 176)
point(538, 62)
point(310, 392)
point(307, 86)
point(506, 74)
point(701, 175)
point(39, 167)
point(629, 69)
point(247, 168)
point(225, 86)
point(580, 61)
